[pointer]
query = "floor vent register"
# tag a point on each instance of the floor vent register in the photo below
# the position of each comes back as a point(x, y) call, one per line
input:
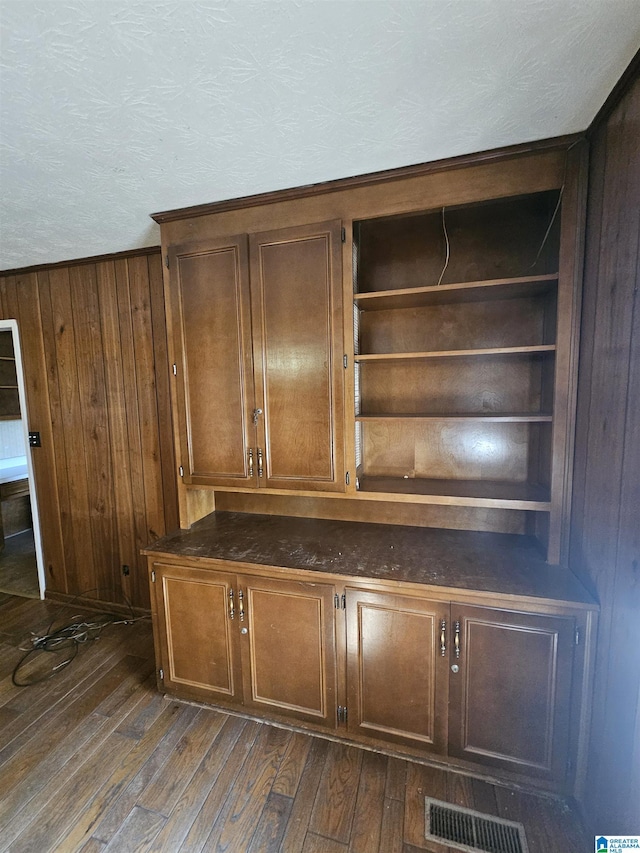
point(464, 829)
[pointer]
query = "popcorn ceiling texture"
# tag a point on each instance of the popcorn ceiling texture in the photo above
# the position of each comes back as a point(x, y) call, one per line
point(113, 110)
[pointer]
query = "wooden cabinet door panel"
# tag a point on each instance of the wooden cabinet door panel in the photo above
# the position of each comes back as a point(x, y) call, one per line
point(289, 655)
point(510, 699)
point(198, 638)
point(211, 303)
point(296, 288)
point(396, 675)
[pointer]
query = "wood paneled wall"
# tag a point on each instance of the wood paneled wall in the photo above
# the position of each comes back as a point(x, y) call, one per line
point(93, 339)
point(605, 536)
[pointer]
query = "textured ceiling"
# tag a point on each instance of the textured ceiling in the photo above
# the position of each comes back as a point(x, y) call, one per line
point(113, 110)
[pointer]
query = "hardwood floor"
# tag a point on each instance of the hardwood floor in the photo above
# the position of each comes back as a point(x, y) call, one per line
point(95, 759)
point(18, 569)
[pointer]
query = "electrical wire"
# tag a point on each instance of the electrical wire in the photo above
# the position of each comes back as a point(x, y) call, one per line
point(47, 654)
point(448, 251)
point(550, 226)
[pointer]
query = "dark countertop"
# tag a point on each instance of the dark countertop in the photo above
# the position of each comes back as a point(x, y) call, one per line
point(486, 562)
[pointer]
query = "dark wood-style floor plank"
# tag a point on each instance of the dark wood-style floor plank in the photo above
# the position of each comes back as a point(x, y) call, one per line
point(199, 787)
point(300, 816)
point(138, 830)
point(392, 828)
point(272, 824)
point(336, 797)
point(165, 734)
point(167, 786)
point(288, 775)
point(97, 760)
point(241, 812)
point(367, 819)
point(211, 807)
point(422, 782)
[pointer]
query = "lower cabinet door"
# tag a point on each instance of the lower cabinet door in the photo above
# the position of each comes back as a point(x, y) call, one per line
point(396, 672)
point(510, 696)
point(289, 648)
point(197, 632)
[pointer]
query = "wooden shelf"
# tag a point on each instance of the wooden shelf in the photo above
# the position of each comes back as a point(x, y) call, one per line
point(414, 356)
point(468, 291)
point(463, 492)
point(485, 417)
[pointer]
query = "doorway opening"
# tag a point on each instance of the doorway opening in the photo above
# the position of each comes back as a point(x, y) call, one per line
point(21, 560)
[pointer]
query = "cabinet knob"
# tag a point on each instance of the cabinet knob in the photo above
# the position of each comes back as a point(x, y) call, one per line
point(455, 667)
point(246, 631)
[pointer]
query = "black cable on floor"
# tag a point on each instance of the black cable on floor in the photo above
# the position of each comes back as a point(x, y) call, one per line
point(53, 651)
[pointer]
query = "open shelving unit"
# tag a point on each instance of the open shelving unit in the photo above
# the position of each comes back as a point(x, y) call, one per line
point(9, 400)
point(455, 322)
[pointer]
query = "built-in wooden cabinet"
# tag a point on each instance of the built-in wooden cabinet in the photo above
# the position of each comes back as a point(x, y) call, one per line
point(259, 359)
point(480, 679)
point(265, 644)
point(392, 347)
point(512, 676)
point(457, 327)
point(408, 338)
point(397, 677)
point(490, 686)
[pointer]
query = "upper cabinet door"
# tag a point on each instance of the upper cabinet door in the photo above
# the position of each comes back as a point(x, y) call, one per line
point(296, 289)
point(212, 333)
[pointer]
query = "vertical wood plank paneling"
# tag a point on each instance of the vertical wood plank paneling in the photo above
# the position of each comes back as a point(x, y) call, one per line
point(167, 453)
point(76, 524)
point(146, 393)
point(605, 544)
point(95, 428)
point(38, 417)
point(133, 424)
point(95, 351)
point(126, 553)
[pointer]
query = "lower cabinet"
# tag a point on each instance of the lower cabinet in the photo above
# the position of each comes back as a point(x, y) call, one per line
point(510, 698)
point(265, 644)
point(489, 688)
point(397, 678)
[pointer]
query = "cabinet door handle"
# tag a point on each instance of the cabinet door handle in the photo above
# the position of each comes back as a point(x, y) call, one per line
point(241, 604)
point(456, 639)
point(259, 462)
point(256, 415)
point(443, 637)
point(251, 461)
point(232, 610)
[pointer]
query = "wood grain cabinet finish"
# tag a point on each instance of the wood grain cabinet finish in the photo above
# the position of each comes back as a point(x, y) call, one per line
point(212, 314)
point(195, 635)
point(234, 639)
point(491, 689)
point(288, 652)
point(510, 700)
point(396, 675)
point(258, 341)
